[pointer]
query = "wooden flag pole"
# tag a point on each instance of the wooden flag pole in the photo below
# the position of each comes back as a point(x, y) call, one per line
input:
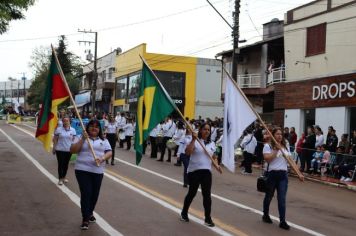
point(217, 167)
point(74, 105)
point(289, 160)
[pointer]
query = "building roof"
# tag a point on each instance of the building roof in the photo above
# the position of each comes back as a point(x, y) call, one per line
point(227, 52)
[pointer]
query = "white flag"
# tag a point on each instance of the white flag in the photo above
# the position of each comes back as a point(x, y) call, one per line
point(237, 116)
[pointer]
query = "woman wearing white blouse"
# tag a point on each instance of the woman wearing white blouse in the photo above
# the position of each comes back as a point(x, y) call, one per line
point(277, 177)
point(128, 129)
point(111, 134)
point(199, 172)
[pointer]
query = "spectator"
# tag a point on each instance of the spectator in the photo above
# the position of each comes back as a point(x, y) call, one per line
point(346, 166)
point(299, 147)
point(353, 143)
point(319, 136)
point(286, 134)
point(308, 149)
point(332, 141)
point(317, 159)
point(345, 143)
point(292, 139)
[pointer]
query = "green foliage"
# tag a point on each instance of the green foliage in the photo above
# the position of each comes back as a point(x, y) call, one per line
point(71, 66)
point(12, 10)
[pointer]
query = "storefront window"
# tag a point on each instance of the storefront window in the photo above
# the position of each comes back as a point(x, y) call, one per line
point(134, 83)
point(173, 82)
point(121, 88)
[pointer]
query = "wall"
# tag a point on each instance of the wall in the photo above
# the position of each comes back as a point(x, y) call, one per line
point(178, 64)
point(294, 118)
point(207, 98)
point(334, 116)
point(339, 91)
point(311, 8)
point(130, 61)
point(340, 46)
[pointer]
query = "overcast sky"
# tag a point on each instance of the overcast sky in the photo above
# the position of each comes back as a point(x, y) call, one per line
point(182, 27)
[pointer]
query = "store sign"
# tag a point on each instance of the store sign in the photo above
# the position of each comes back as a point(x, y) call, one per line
point(178, 101)
point(334, 90)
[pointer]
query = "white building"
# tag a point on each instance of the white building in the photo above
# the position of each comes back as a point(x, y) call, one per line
point(320, 51)
point(13, 90)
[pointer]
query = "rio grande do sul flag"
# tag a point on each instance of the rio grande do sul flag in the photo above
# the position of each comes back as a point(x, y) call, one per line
point(55, 93)
point(154, 105)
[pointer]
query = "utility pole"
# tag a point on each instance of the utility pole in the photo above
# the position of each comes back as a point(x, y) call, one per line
point(235, 34)
point(24, 90)
point(95, 74)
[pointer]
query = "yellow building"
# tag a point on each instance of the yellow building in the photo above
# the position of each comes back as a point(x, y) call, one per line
point(178, 74)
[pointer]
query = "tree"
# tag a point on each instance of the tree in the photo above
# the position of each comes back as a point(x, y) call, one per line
point(12, 10)
point(40, 60)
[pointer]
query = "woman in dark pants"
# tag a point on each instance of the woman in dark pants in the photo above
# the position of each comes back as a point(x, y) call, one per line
point(308, 149)
point(277, 177)
point(111, 135)
point(90, 172)
point(62, 140)
point(184, 158)
point(199, 172)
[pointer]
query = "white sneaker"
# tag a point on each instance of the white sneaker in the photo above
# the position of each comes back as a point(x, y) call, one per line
point(60, 182)
point(342, 178)
point(348, 180)
point(65, 180)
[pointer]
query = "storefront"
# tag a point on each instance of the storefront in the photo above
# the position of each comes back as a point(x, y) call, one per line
point(127, 89)
point(329, 101)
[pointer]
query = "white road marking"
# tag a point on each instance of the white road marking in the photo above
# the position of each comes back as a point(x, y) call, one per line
point(226, 200)
point(72, 196)
point(165, 204)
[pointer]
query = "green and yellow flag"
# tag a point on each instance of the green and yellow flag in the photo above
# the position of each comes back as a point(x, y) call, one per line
point(154, 105)
point(55, 93)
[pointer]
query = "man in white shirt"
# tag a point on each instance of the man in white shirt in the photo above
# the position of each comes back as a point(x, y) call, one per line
point(169, 128)
point(249, 144)
point(121, 122)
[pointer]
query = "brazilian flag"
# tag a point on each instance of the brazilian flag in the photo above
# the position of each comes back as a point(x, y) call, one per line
point(154, 105)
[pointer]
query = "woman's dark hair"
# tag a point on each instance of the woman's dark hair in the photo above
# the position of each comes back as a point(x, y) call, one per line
point(208, 140)
point(283, 142)
point(180, 125)
point(95, 122)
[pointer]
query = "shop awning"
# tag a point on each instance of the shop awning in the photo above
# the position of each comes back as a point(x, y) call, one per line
point(78, 105)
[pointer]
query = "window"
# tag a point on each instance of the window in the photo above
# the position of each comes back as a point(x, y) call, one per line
point(316, 40)
point(134, 83)
point(121, 88)
point(173, 82)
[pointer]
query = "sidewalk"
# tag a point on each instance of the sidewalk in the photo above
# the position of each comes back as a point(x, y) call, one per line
point(323, 180)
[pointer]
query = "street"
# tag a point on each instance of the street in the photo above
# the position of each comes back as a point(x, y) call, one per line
point(146, 199)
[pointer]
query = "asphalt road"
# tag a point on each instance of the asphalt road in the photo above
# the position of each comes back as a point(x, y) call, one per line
point(146, 200)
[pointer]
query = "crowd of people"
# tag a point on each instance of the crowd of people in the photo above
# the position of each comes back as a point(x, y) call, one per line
point(184, 140)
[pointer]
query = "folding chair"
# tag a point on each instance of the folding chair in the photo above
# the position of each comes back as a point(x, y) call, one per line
point(330, 166)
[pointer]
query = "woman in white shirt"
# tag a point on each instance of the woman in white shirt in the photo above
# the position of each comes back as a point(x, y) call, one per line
point(62, 140)
point(128, 129)
point(178, 137)
point(111, 134)
point(199, 172)
point(277, 177)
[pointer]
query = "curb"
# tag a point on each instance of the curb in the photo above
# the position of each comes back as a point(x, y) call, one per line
point(338, 185)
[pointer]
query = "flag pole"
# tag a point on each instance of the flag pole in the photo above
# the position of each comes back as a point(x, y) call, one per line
point(288, 159)
point(72, 100)
point(217, 167)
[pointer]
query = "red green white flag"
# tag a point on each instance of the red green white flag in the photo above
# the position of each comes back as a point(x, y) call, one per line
point(55, 93)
